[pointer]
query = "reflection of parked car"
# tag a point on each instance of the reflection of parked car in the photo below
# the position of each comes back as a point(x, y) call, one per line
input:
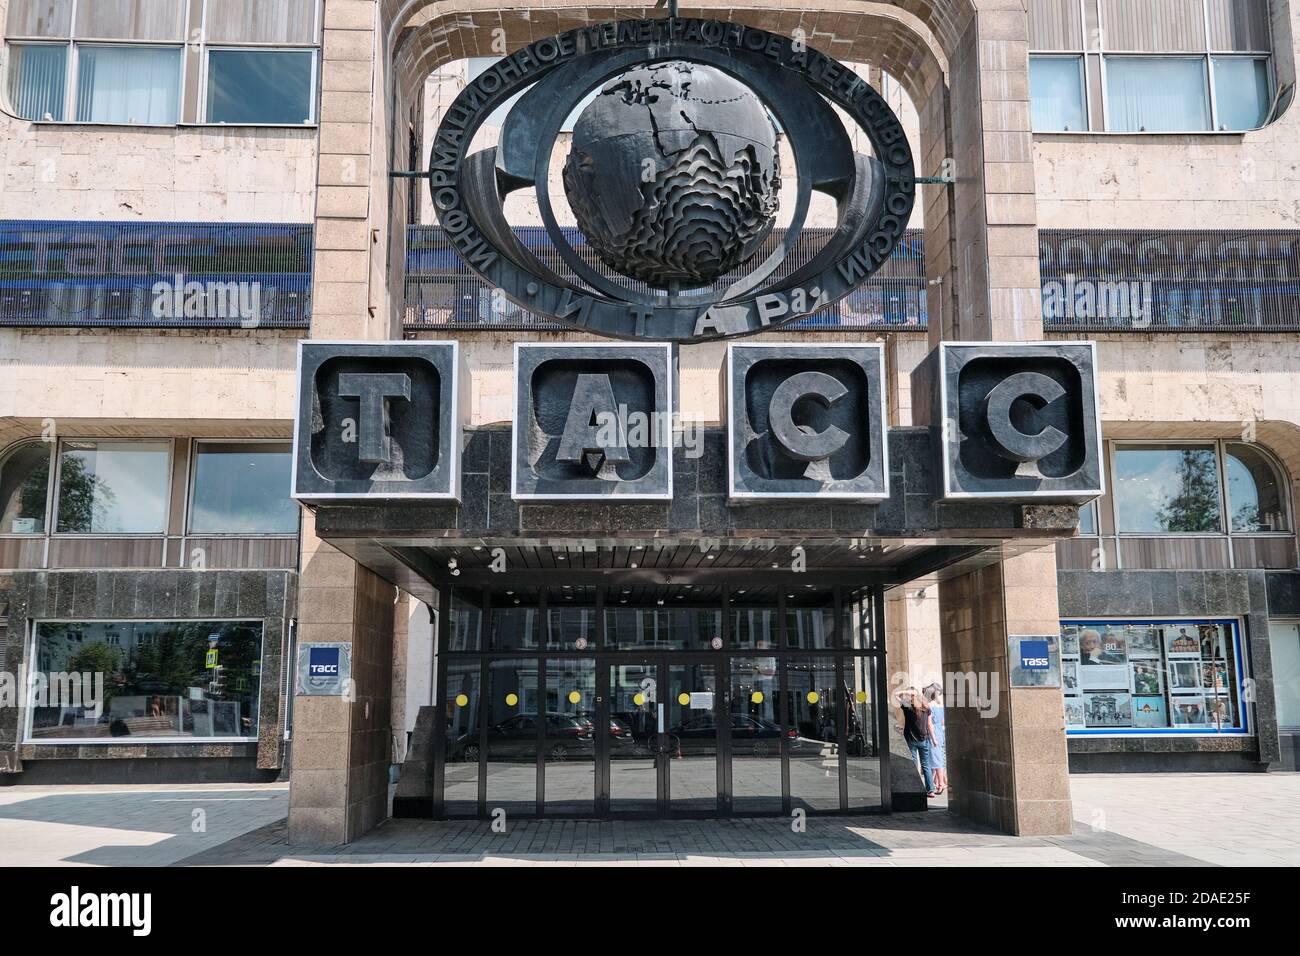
point(515, 739)
point(750, 736)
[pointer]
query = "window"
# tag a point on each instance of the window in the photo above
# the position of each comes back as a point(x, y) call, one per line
point(1256, 491)
point(163, 62)
point(1088, 519)
point(24, 488)
point(1058, 102)
point(161, 680)
point(134, 85)
point(1241, 91)
point(261, 86)
point(117, 487)
point(1182, 66)
point(1167, 489)
point(37, 80)
point(1151, 677)
point(1284, 640)
point(1157, 94)
point(242, 488)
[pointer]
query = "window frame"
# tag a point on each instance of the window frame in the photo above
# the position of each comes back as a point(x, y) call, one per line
point(205, 72)
point(1234, 622)
point(1118, 443)
point(193, 71)
point(102, 535)
point(1086, 100)
point(29, 668)
point(74, 104)
point(68, 75)
point(188, 516)
point(1096, 48)
point(53, 447)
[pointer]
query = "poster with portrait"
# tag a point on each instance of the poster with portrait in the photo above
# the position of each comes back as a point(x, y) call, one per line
point(1108, 710)
point(1150, 712)
point(1189, 711)
point(1144, 642)
point(1184, 676)
point(1070, 640)
point(1146, 678)
point(1182, 640)
point(1074, 712)
point(1103, 662)
point(1214, 677)
point(1219, 713)
point(1070, 676)
point(1211, 639)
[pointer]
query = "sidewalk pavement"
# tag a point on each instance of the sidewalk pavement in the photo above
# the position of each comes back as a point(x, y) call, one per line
point(1120, 820)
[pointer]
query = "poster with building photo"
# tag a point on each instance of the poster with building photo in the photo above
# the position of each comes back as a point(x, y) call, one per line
point(1150, 712)
point(1074, 712)
point(1188, 711)
point(1143, 642)
point(1108, 710)
point(1184, 676)
point(1182, 640)
point(1146, 678)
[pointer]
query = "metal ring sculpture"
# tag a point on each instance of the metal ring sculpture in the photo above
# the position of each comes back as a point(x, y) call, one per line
point(703, 207)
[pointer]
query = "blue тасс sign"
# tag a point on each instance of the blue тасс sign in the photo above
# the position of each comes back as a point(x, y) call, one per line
point(1033, 656)
point(323, 662)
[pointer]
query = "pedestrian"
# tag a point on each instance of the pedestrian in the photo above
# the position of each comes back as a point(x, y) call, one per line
point(918, 731)
point(939, 745)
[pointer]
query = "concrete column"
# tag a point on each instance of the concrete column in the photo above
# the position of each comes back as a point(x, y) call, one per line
point(994, 271)
point(1007, 756)
point(341, 746)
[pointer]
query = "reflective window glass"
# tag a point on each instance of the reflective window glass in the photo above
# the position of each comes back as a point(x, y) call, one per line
point(1256, 492)
point(242, 488)
point(118, 487)
point(38, 76)
point(160, 679)
point(1167, 489)
point(1056, 90)
point(1241, 92)
point(1157, 94)
point(260, 86)
point(134, 85)
point(24, 488)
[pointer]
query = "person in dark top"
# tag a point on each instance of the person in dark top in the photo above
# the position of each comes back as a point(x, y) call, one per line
point(918, 730)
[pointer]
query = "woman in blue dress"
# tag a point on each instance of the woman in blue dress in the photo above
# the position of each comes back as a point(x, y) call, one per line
point(938, 755)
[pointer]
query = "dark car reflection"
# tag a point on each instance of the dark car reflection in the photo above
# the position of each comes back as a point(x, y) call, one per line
point(564, 737)
point(750, 737)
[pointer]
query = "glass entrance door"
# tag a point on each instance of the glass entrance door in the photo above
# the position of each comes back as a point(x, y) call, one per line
point(632, 751)
point(696, 709)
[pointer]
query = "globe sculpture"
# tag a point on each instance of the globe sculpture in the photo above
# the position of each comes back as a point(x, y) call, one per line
point(673, 174)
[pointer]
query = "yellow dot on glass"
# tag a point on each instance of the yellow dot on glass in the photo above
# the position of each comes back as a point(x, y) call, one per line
point(757, 697)
point(461, 700)
point(683, 699)
point(638, 699)
point(862, 696)
point(813, 696)
point(574, 697)
point(512, 699)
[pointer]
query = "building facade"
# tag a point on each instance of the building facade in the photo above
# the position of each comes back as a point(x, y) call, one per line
point(193, 190)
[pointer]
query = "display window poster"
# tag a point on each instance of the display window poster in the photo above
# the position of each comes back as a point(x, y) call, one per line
point(1070, 676)
point(1150, 712)
point(1074, 712)
point(1147, 678)
point(1153, 677)
point(1108, 710)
